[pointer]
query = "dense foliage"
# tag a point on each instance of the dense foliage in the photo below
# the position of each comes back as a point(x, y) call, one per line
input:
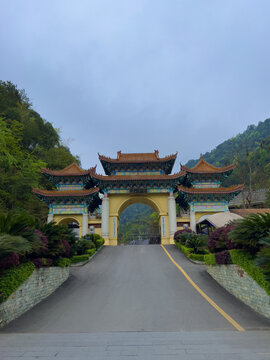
point(219, 239)
point(12, 278)
point(250, 230)
point(246, 262)
point(250, 151)
point(138, 221)
point(27, 142)
point(263, 257)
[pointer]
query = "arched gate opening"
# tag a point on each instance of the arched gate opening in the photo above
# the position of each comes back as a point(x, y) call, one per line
point(139, 225)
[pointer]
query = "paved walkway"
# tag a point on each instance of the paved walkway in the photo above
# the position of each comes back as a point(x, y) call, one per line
point(133, 299)
point(221, 345)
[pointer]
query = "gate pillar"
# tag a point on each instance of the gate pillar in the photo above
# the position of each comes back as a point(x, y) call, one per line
point(172, 215)
point(105, 218)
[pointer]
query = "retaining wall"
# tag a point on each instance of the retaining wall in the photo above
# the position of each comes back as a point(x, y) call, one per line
point(37, 287)
point(235, 280)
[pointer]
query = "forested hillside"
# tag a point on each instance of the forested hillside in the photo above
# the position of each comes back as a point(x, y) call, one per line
point(138, 220)
point(27, 142)
point(250, 151)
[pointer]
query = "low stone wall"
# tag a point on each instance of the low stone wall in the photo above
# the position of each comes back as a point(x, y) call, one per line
point(37, 287)
point(235, 280)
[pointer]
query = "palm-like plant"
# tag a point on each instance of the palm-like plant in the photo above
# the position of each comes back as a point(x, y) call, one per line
point(13, 244)
point(248, 231)
point(197, 243)
point(20, 225)
point(263, 257)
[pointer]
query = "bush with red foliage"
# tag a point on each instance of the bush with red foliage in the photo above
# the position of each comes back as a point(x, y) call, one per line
point(44, 241)
point(9, 261)
point(223, 257)
point(38, 262)
point(66, 247)
point(49, 262)
point(219, 240)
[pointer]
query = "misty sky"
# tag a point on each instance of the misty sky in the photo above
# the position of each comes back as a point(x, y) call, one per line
point(139, 75)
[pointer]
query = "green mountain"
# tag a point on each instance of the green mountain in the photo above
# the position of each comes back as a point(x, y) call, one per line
point(138, 221)
point(27, 142)
point(250, 151)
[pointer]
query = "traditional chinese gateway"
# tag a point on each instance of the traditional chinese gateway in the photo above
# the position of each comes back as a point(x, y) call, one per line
point(136, 178)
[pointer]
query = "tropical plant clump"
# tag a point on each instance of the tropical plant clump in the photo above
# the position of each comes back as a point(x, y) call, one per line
point(249, 231)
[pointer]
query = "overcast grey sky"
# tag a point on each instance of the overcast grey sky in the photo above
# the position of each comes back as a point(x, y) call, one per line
point(139, 75)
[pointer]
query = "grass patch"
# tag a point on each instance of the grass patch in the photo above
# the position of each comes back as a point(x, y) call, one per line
point(245, 261)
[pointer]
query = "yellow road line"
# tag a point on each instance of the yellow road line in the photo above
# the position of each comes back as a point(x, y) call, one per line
point(207, 298)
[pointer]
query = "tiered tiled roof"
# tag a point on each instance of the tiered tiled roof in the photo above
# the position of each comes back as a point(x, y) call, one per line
point(94, 175)
point(142, 162)
point(137, 157)
point(203, 167)
point(209, 194)
point(71, 170)
point(87, 197)
point(219, 190)
point(64, 193)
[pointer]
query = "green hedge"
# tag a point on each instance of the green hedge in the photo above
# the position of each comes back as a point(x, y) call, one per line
point(184, 249)
point(11, 279)
point(63, 262)
point(188, 252)
point(91, 252)
point(210, 259)
point(245, 261)
point(197, 257)
point(79, 258)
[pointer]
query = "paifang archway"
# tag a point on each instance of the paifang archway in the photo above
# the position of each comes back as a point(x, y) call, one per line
point(137, 177)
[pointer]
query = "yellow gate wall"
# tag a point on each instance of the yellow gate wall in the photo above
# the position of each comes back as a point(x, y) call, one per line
point(119, 202)
point(57, 218)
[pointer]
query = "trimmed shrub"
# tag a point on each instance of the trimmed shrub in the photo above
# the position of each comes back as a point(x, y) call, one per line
point(64, 262)
point(84, 244)
point(223, 257)
point(13, 278)
point(245, 261)
point(210, 259)
point(99, 243)
point(184, 249)
point(96, 239)
point(90, 251)
point(80, 258)
point(197, 257)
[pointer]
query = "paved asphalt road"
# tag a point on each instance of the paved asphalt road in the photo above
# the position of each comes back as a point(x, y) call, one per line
point(135, 288)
